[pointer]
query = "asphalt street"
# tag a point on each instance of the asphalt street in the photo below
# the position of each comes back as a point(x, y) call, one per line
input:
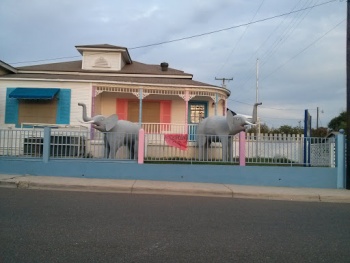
point(63, 226)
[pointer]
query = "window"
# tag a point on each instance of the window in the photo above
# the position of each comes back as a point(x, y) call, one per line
point(152, 111)
point(37, 111)
point(54, 111)
point(197, 112)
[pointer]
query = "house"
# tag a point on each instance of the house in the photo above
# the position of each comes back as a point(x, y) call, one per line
point(108, 81)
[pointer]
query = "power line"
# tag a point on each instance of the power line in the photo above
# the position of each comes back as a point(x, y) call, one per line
point(280, 40)
point(264, 107)
point(297, 54)
point(232, 27)
point(202, 34)
point(304, 49)
point(242, 35)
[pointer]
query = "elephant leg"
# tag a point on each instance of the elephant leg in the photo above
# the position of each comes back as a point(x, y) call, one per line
point(230, 148)
point(132, 144)
point(115, 142)
point(227, 147)
point(224, 145)
point(201, 142)
point(136, 149)
point(107, 148)
point(203, 151)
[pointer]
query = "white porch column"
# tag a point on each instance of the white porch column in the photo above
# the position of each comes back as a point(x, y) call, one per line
point(187, 98)
point(216, 104)
point(140, 107)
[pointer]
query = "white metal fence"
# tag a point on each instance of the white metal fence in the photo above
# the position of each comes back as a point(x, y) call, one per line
point(293, 150)
point(173, 145)
point(290, 149)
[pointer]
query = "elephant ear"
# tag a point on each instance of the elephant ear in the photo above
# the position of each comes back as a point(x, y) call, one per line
point(111, 121)
point(230, 119)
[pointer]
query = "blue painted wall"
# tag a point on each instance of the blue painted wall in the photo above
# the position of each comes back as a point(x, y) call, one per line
point(313, 177)
point(11, 110)
point(63, 107)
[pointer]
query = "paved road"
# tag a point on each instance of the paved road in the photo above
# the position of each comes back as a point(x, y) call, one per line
point(55, 226)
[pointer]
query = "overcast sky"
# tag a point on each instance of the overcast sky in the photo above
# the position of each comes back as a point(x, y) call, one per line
point(300, 45)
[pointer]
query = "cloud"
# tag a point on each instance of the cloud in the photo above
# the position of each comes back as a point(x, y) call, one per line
point(33, 30)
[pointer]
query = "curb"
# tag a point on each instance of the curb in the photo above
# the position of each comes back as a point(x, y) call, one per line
point(174, 188)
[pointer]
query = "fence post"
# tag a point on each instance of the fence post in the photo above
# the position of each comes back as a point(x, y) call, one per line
point(141, 147)
point(340, 159)
point(242, 148)
point(46, 144)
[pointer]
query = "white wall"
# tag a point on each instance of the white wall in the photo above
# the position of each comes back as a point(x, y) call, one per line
point(80, 92)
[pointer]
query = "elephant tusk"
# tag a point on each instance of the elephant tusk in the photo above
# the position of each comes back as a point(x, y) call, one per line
point(249, 123)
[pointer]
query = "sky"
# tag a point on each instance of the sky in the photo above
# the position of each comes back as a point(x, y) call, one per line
point(293, 52)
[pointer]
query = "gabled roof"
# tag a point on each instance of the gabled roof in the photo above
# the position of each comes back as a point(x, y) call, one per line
point(7, 67)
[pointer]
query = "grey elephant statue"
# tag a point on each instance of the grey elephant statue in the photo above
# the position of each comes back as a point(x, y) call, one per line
point(117, 133)
point(215, 129)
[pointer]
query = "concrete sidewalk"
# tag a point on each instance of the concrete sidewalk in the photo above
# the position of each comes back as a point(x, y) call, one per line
point(174, 188)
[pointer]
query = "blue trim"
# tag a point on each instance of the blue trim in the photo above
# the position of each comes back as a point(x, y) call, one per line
point(11, 109)
point(307, 140)
point(34, 93)
point(340, 160)
point(63, 107)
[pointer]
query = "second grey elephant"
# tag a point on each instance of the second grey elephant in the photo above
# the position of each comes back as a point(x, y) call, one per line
point(222, 129)
point(117, 133)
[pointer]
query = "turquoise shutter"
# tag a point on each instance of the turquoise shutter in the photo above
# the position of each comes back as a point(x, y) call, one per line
point(63, 109)
point(11, 111)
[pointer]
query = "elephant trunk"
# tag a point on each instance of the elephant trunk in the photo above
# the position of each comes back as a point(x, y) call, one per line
point(255, 112)
point(85, 117)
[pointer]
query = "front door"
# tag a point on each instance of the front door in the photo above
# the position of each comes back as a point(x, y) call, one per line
point(197, 111)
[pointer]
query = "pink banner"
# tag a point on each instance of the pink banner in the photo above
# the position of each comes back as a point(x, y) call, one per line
point(176, 140)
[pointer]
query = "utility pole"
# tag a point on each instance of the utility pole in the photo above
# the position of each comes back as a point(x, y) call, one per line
point(216, 99)
point(317, 119)
point(347, 179)
point(257, 94)
point(223, 81)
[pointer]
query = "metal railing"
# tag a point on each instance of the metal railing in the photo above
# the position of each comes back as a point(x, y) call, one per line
point(266, 149)
point(169, 146)
point(290, 150)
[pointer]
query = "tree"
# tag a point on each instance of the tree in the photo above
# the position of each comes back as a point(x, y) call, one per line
point(263, 129)
point(286, 129)
point(320, 132)
point(338, 122)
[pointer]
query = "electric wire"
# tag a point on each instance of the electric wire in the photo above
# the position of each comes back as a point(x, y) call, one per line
point(280, 40)
point(303, 50)
point(201, 34)
point(239, 40)
point(256, 53)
